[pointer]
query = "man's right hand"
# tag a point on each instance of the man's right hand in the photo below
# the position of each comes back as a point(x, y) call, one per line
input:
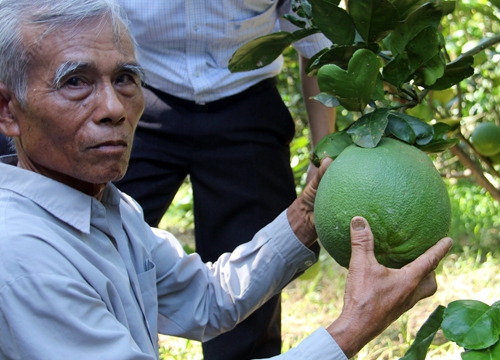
point(375, 296)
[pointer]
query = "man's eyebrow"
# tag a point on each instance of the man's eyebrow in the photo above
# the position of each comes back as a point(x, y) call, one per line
point(67, 68)
point(134, 68)
point(73, 66)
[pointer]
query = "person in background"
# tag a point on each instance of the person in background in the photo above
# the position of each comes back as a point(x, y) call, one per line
point(230, 133)
point(82, 275)
point(5, 146)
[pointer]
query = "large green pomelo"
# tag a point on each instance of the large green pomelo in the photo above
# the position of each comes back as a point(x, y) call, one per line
point(396, 187)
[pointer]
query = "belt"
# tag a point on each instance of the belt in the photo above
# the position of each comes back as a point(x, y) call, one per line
point(216, 105)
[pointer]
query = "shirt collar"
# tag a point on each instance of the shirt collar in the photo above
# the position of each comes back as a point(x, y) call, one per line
point(65, 203)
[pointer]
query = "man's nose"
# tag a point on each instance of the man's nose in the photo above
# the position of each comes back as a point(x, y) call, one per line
point(110, 106)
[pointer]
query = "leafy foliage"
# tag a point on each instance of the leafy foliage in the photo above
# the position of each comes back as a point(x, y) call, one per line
point(384, 54)
point(471, 324)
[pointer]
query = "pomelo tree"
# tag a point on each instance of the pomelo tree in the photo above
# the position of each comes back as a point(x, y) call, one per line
point(400, 71)
point(389, 65)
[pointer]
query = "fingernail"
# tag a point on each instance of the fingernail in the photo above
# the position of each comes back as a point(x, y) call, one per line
point(358, 224)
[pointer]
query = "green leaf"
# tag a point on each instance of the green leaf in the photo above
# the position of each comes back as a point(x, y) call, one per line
point(491, 353)
point(302, 8)
point(432, 70)
point(409, 129)
point(260, 52)
point(454, 72)
point(421, 56)
point(397, 71)
point(315, 62)
point(424, 46)
point(438, 143)
point(264, 50)
point(379, 94)
point(452, 122)
point(333, 21)
point(354, 87)
point(440, 130)
point(337, 55)
point(374, 19)
point(405, 7)
point(418, 350)
point(306, 7)
point(327, 100)
point(295, 20)
point(427, 15)
point(400, 129)
point(330, 146)
point(472, 324)
point(369, 129)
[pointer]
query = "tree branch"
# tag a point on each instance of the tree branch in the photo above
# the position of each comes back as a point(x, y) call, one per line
point(485, 43)
point(476, 171)
point(481, 157)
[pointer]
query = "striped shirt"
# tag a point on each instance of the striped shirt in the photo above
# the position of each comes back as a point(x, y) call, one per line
point(185, 45)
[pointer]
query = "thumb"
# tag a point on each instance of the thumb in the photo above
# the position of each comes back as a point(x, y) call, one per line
point(362, 243)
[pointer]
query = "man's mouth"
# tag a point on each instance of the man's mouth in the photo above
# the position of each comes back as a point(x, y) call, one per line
point(111, 145)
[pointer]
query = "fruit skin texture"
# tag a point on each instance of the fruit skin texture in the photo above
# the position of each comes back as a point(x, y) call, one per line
point(396, 187)
point(486, 139)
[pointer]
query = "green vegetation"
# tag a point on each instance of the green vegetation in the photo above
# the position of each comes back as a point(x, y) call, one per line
point(485, 138)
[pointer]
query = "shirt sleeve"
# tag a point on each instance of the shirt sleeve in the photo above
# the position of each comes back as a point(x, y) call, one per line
point(318, 345)
point(200, 301)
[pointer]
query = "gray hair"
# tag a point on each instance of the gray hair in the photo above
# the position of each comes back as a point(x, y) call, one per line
point(53, 15)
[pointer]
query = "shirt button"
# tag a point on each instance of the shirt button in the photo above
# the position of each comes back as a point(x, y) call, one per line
point(308, 263)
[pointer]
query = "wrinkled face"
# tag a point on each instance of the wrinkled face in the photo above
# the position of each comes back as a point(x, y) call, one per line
point(83, 103)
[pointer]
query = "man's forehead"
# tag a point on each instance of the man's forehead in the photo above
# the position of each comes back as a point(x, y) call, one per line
point(77, 44)
point(94, 29)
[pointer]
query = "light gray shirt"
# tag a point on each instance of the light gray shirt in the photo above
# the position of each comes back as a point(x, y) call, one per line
point(88, 279)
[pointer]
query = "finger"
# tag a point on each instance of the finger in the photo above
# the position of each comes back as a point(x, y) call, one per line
point(311, 173)
point(362, 243)
point(325, 163)
point(429, 260)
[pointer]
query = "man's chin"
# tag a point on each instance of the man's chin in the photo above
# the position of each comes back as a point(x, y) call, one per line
point(104, 176)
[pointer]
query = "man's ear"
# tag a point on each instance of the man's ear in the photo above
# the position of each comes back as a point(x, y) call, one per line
point(8, 124)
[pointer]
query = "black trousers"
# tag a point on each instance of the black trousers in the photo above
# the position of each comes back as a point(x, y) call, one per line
point(236, 152)
point(5, 147)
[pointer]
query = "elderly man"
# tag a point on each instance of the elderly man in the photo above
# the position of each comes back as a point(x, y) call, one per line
point(82, 276)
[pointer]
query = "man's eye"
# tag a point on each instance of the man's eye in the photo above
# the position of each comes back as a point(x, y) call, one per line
point(75, 82)
point(125, 79)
